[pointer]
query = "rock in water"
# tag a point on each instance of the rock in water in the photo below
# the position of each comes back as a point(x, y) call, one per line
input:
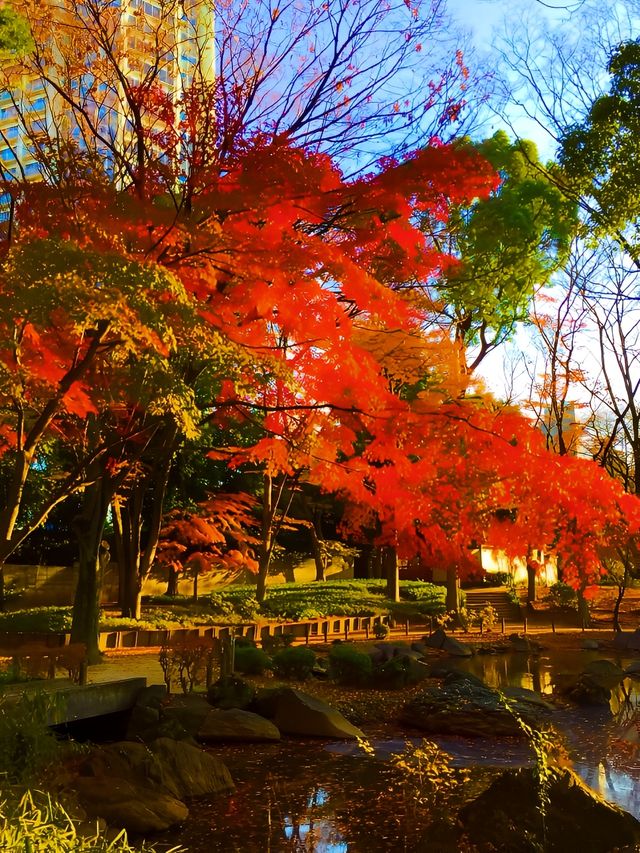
point(440, 640)
point(466, 707)
point(236, 725)
point(576, 819)
point(297, 713)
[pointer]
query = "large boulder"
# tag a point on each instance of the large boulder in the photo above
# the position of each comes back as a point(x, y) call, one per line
point(297, 713)
point(140, 788)
point(188, 771)
point(464, 706)
point(605, 672)
point(593, 686)
point(627, 640)
point(441, 640)
point(508, 816)
point(522, 643)
point(234, 725)
point(136, 807)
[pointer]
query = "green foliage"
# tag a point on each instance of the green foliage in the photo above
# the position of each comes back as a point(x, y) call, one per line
point(272, 643)
point(562, 595)
point(380, 630)
point(37, 620)
point(349, 666)
point(394, 673)
point(27, 745)
point(38, 824)
point(508, 244)
point(601, 155)
point(15, 35)
point(251, 661)
point(299, 601)
point(296, 662)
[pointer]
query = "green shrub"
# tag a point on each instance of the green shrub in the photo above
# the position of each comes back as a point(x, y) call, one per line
point(294, 662)
point(37, 620)
point(245, 643)
point(380, 630)
point(349, 666)
point(273, 644)
point(562, 595)
point(251, 661)
point(27, 744)
point(394, 673)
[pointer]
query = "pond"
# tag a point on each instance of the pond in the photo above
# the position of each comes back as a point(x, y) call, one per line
point(303, 795)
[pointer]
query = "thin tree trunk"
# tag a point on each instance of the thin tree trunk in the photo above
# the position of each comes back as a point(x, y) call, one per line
point(319, 554)
point(392, 573)
point(452, 601)
point(532, 570)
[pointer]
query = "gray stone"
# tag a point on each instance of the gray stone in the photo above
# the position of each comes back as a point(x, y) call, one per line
point(590, 645)
point(507, 816)
point(521, 643)
point(236, 725)
point(134, 807)
point(297, 713)
point(633, 670)
point(465, 706)
point(440, 640)
point(604, 672)
point(188, 771)
point(627, 640)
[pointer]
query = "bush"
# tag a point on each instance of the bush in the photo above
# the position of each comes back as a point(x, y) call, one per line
point(251, 661)
point(27, 744)
point(273, 644)
point(188, 662)
point(562, 595)
point(37, 620)
point(349, 666)
point(295, 662)
point(380, 630)
point(393, 673)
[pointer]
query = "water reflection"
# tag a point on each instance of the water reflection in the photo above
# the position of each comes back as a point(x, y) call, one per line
point(303, 796)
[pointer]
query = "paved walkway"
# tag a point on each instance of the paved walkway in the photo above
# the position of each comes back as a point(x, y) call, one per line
point(127, 665)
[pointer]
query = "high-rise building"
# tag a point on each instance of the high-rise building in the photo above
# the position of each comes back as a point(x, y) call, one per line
point(79, 83)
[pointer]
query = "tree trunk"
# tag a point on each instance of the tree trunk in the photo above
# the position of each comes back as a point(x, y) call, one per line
point(266, 540)
point(616, 608)
point(172, 582)
point(584, 616)
point(319, 554)
point(93, 557)
point(532, 570)
point(392, 573)
point(129, 517)
point(362, 562)
point(452, 601)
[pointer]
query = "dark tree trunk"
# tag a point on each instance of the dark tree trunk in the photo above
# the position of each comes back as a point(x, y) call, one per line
point(129, 518)
point(362, 562)
point(584, 616)
point(531, 580)
point(172, 582)
point(319, 553)
point(392, 573)
point(452, 601)
point(93, 557)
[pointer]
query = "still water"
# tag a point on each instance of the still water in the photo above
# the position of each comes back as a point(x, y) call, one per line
point(331, 798)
